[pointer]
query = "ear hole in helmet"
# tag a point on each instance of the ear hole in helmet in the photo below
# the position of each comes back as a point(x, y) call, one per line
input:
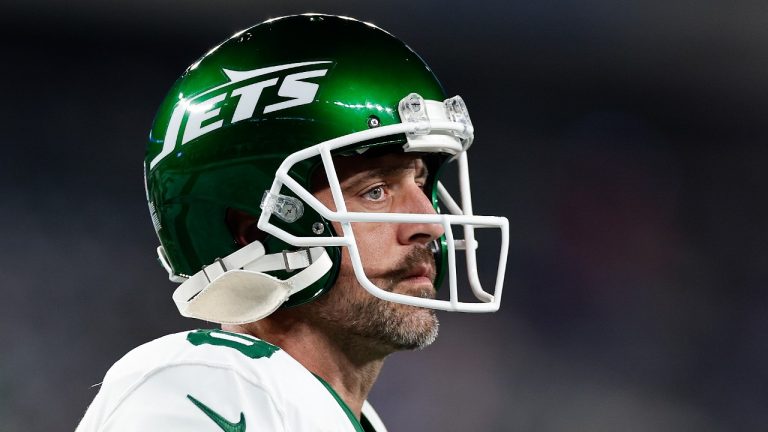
point(242, 226)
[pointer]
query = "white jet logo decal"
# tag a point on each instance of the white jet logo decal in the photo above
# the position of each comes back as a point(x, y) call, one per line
point(299, 93)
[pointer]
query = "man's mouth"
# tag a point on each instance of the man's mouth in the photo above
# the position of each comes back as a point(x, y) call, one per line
point(416, 272)
point(422, 273)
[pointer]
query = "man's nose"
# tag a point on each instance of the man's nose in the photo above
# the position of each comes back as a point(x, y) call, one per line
point(416, 201)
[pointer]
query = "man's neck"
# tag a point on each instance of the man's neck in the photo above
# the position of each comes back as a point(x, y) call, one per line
point(349, 366)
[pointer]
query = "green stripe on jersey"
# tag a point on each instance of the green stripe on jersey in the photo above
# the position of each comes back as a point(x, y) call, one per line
point(350, 415)
point(249, 346)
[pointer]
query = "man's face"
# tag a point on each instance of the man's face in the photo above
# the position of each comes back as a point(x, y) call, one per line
point(396, 257)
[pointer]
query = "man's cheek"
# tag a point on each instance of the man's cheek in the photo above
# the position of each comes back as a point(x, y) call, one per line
point(375, 243)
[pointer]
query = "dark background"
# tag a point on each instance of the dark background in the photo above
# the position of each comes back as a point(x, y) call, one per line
point(625, 142)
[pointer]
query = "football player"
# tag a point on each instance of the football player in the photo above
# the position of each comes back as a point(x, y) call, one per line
point(292, 175)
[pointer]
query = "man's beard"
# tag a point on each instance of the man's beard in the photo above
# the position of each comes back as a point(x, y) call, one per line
point(388, 325)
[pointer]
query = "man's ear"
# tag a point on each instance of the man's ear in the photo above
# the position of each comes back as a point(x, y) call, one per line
point(243, 227)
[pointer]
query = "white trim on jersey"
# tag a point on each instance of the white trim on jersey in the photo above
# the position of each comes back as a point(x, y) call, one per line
point(373, 418)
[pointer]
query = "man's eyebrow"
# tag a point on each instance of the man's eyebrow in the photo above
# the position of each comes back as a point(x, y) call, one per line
point(421, 172)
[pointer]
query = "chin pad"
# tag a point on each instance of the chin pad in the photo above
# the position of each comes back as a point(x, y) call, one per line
point(239, 296)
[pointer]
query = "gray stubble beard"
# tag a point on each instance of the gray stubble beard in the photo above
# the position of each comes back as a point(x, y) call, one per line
point(387, 325)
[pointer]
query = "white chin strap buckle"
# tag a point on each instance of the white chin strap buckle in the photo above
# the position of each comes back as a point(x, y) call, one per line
point(236, 290)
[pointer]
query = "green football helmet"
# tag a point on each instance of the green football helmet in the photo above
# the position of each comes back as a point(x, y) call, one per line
point(248, 125)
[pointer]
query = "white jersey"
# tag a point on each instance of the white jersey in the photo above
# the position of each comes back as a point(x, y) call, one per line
point(211, 380)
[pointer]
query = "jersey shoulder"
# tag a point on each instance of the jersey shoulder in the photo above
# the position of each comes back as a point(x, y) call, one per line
point(213, 348)
point(197, 379)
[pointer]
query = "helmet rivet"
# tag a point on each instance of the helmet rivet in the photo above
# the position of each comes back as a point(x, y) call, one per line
point(318, 228)
point(373, 122)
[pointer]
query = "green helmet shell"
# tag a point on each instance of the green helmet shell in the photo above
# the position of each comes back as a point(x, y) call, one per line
point(236, 113)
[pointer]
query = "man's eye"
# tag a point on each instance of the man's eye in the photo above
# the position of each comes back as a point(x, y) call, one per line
point(375, 194)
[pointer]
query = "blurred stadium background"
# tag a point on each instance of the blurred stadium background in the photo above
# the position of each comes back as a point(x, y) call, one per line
point(626, 142)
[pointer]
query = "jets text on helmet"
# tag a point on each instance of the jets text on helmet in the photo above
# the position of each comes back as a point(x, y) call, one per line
point(205, 116)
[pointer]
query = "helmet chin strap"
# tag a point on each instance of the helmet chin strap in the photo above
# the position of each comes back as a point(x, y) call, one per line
point(235, 289)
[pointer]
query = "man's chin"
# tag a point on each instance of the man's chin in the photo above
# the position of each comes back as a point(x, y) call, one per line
point(417, 329)
point(416, 287)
